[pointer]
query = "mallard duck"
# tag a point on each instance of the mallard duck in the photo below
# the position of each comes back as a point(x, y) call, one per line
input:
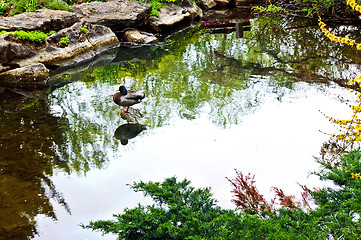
point(127, 98)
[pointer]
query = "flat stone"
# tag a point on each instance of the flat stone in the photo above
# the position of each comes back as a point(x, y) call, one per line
point(136, 36)
point(43, 20)
point(82, 46)
point(116, 14)
point(31, 76)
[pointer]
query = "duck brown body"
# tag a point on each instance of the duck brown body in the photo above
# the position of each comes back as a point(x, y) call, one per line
point(127, 98)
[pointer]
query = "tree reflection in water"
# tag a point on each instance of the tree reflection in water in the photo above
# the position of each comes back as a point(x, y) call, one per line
point(27, 161)
point(72, 129)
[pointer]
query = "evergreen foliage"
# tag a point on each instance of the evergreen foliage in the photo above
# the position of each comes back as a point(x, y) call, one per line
point(183, 212)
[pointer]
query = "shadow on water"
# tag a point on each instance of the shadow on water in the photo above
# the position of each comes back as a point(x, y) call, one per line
point(72, 128)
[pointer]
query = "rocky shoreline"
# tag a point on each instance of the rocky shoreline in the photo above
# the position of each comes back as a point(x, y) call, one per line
point(89, 30)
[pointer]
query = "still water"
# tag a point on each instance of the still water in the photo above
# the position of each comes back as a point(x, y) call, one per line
point(215, 103)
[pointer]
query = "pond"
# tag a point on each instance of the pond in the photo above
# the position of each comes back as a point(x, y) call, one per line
point(214, 103)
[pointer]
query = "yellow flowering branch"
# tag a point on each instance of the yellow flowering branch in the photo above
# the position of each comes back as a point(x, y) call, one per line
point(353, 175)
point(335, 38)
point(354, 5)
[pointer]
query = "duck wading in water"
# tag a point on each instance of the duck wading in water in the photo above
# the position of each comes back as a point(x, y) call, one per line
point(127, 98)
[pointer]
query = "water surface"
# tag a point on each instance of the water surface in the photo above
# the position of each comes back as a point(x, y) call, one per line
point(215, 103)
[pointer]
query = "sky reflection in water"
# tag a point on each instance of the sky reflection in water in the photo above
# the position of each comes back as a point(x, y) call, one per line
point(276, 142)
point(216, 105)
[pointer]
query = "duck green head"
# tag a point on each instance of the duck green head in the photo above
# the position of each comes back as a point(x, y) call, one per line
point(123, 90)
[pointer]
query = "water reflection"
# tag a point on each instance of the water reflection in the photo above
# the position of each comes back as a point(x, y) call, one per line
point(27, 161)
point(128, 131)
point(239, 26)
point(205, 89)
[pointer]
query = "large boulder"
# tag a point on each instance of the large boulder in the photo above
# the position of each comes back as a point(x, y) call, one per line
point(173, 15)
point(116, 14)
point(43, 20)
point(25, 63)
point(85, 41)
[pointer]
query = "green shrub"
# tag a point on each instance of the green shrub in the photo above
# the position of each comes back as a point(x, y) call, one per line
point(183, 212)
point(3, 7)
point(58, 5)
point(21, 6)
point(158, 4)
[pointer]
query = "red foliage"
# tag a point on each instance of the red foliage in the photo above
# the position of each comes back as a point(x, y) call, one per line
point(288, 201)
point(247, 196)
point(249, 200)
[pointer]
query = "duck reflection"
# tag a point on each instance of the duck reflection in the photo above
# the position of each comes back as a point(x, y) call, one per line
point(128, 131)
point(132, 115)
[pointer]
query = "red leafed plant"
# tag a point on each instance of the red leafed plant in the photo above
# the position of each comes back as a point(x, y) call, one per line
point(249, 200)
point(247, 196)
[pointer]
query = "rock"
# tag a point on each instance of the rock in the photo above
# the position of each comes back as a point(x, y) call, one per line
point(43, 20)
point(232, 14)
point(222, 3)
point(32, 76)
point(173, 15)
point(82, 46)
point(116, 14)
point(12, 48)
point(136, 36)
point(239, 3)
point(206, 4)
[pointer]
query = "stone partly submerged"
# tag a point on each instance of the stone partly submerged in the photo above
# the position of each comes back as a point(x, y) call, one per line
point(82, 34)
point(29, 77)
point(79, 45)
